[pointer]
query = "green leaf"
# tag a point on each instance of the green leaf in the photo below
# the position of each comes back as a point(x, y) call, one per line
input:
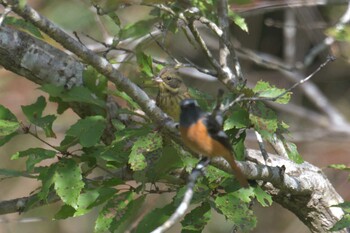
point(144, 144)
point(34, 113)
point(127, 98)
point(168, 160)
point(236, 211)
point(264, 120)
point(75, 94)
point(138, 29)
point(23, 24)
point(88, 130)
point(8, 128)
point(35, 155)
point(132, 211)
point(342, 167)
point(111, 213)
point(66, 211)
point(238, 20)
point(264, 89)
point(196, 220)
point(292, 152)
point(342, 223)
point(263, 198)
point(155, 218)
point(238, 119)
point(145, 63)
point(342, 34)
point(345, 206)
point(68, 182)
point(47, 179)
point(95, 82)
point(93, 198)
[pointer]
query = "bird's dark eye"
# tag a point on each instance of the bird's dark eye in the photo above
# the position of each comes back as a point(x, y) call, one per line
point(168, 78)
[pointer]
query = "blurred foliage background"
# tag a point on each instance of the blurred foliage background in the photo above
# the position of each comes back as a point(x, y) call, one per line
point(265, 35)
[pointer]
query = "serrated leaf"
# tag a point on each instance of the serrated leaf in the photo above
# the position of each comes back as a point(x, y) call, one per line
point(292, 152)
point(264, 89)
point(263, 198)
point(144, 144)
point(238, 119)
point(342, 223)
point(68, 182)
point(34, 113)
point(264, 120)
point(236, 211)
point(35, 155)
point(145, 63)
point(88, 130)
point(155, 218)
point(196, 220)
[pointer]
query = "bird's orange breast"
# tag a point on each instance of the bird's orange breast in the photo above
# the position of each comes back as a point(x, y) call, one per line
point(196, 137)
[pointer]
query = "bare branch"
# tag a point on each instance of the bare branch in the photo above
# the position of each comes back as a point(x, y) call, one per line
point(185, 203)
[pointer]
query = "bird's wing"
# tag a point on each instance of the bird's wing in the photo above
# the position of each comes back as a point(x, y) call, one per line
point(214, 126)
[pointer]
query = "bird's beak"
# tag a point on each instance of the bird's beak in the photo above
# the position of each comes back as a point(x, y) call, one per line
point(157, 79)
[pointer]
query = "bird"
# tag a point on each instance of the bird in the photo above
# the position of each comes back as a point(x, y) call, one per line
point(171, 91)
point(202, 132)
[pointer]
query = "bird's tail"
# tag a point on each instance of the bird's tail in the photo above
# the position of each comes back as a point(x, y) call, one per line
point(237, 171)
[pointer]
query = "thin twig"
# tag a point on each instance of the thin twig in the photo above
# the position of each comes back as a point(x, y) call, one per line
point(261, 145)
point(240, 98)
point(183, 206)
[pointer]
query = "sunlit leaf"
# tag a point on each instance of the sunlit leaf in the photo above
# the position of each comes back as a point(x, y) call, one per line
point(68, 182)
point(142, 145)
point(292, 152)
point(264, 89)
point(236, 211)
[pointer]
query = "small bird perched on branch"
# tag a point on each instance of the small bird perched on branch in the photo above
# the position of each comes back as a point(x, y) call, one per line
point(202, 133)
point(172, 90)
